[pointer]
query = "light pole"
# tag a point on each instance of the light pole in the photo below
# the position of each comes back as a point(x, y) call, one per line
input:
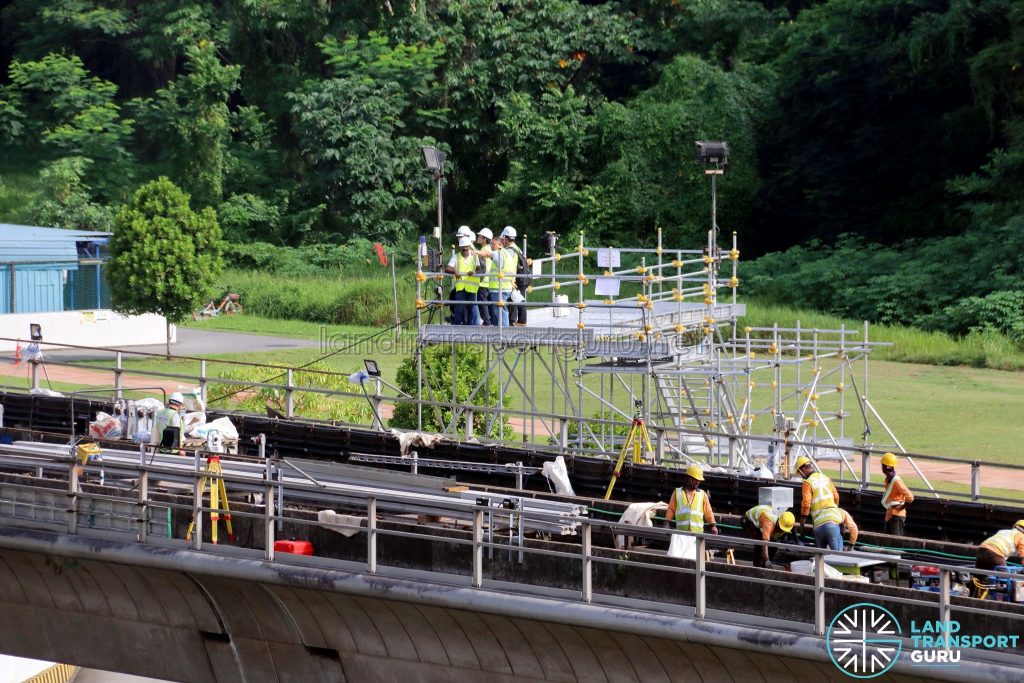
point(434, 159)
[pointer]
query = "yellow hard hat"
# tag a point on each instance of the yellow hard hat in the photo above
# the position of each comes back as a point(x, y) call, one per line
point(696, 472)
point(786, 521)
point(889, 460)
point(1019, 524)
point(801, 461)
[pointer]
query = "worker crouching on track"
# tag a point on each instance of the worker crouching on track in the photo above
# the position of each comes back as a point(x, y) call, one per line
point(689, 507)
point(995, 551)
point(762, 522)
point(895, 499)
point(850, 530)
point(820, 501)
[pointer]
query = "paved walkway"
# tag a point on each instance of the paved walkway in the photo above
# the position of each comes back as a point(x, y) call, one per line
point(193, 342)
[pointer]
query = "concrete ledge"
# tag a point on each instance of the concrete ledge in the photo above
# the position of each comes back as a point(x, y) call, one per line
point(86, 328)
point(272, 614)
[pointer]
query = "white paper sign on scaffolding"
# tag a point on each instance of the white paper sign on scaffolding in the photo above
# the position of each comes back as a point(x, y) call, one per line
point(608, 258)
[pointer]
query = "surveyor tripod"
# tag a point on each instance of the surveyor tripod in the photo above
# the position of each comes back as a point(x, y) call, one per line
point(636, 439)
point(213, 483)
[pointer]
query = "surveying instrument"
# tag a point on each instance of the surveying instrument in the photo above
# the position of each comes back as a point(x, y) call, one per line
point(213, 482)
point(635, 439)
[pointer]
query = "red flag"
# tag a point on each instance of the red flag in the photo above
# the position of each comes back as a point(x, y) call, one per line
point(381, 255)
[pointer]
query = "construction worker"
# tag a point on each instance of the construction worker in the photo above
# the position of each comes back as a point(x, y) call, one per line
point(896, 497)
point(503, 275)
point(849, 529)
point(464, 265)
point(997, 549)
point(763, 522)
point(689, 507)
point(169, 417)
point(483, 295)
point(820, 500)
point(516, 312)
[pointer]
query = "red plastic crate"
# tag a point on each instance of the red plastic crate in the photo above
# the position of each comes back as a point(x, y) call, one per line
point(294, 547)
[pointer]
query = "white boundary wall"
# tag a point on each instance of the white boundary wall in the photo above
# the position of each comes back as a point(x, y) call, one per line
point(86, 328)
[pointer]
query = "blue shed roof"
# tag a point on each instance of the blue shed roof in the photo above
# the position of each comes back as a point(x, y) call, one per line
point(21, 243)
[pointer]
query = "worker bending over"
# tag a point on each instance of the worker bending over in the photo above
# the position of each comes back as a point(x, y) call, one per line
point(895, 499)
point(689, 507)
point(761, 521)
point(169, 417)
point(820, 501)
point(850, 530)
point(994, 552)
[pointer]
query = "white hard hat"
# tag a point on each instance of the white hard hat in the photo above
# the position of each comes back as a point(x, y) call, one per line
point(486, 233)
point(509, 232)
point(176, 397)
point(465, 241)
point(463, 230)
point(472, 236)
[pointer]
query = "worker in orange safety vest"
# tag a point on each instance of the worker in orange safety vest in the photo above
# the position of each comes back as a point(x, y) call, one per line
point(895, 498)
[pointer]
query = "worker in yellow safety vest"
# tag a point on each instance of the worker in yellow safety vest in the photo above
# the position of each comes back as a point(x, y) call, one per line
point(483, 295)
point(895, 498)
point(820, 501)
point(998, 548)
point(689, 507)
point(765, 523)
point(503, 277)
point(850, 530)
point(463, 265)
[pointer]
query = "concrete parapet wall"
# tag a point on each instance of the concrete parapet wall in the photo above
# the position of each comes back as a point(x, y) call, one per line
point(86, 328)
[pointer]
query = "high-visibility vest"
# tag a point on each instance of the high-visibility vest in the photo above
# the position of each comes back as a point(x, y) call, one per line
point(1004, 542)
point(507, 265)
point(823, 505)
point(690, 516)
point(754, 516)
point(465, 266)
point(888, 492)
point(485, 281)
point(165, 417)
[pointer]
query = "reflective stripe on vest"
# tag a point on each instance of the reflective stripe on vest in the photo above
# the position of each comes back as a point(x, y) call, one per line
point(507, 269)
point(466, 266)
point(690, 516)
point(1004, 541)
point(754, 515)
point(888, 492)
point(823, 503)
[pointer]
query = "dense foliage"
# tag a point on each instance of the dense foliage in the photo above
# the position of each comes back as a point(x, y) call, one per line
point(898, 124)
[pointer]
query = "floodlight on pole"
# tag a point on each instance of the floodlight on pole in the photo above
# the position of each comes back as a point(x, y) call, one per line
point(433, 160)
point(714, 156)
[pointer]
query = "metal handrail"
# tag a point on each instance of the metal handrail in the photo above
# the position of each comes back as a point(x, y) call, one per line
point(586, 556)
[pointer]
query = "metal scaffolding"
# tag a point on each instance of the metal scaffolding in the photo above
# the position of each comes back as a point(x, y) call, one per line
point(713, 391)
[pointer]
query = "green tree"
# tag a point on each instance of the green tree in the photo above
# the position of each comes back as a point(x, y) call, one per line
point(66, 201)
point(193, 110)
point(437, 385)
point(56, 103)
point(165, 257)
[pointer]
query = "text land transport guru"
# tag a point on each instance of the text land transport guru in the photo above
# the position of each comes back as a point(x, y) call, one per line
point(940, 634)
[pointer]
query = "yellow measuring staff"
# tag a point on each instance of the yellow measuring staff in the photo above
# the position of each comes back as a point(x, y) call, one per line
point(213, 483)
point(636, 439)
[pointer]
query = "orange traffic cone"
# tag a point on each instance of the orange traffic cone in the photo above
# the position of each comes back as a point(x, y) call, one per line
point(17, 353)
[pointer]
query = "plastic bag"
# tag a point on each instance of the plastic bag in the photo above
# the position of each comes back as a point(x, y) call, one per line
point(517, 297)
point(105, 427)
point(221, 424)
point(683, 547)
